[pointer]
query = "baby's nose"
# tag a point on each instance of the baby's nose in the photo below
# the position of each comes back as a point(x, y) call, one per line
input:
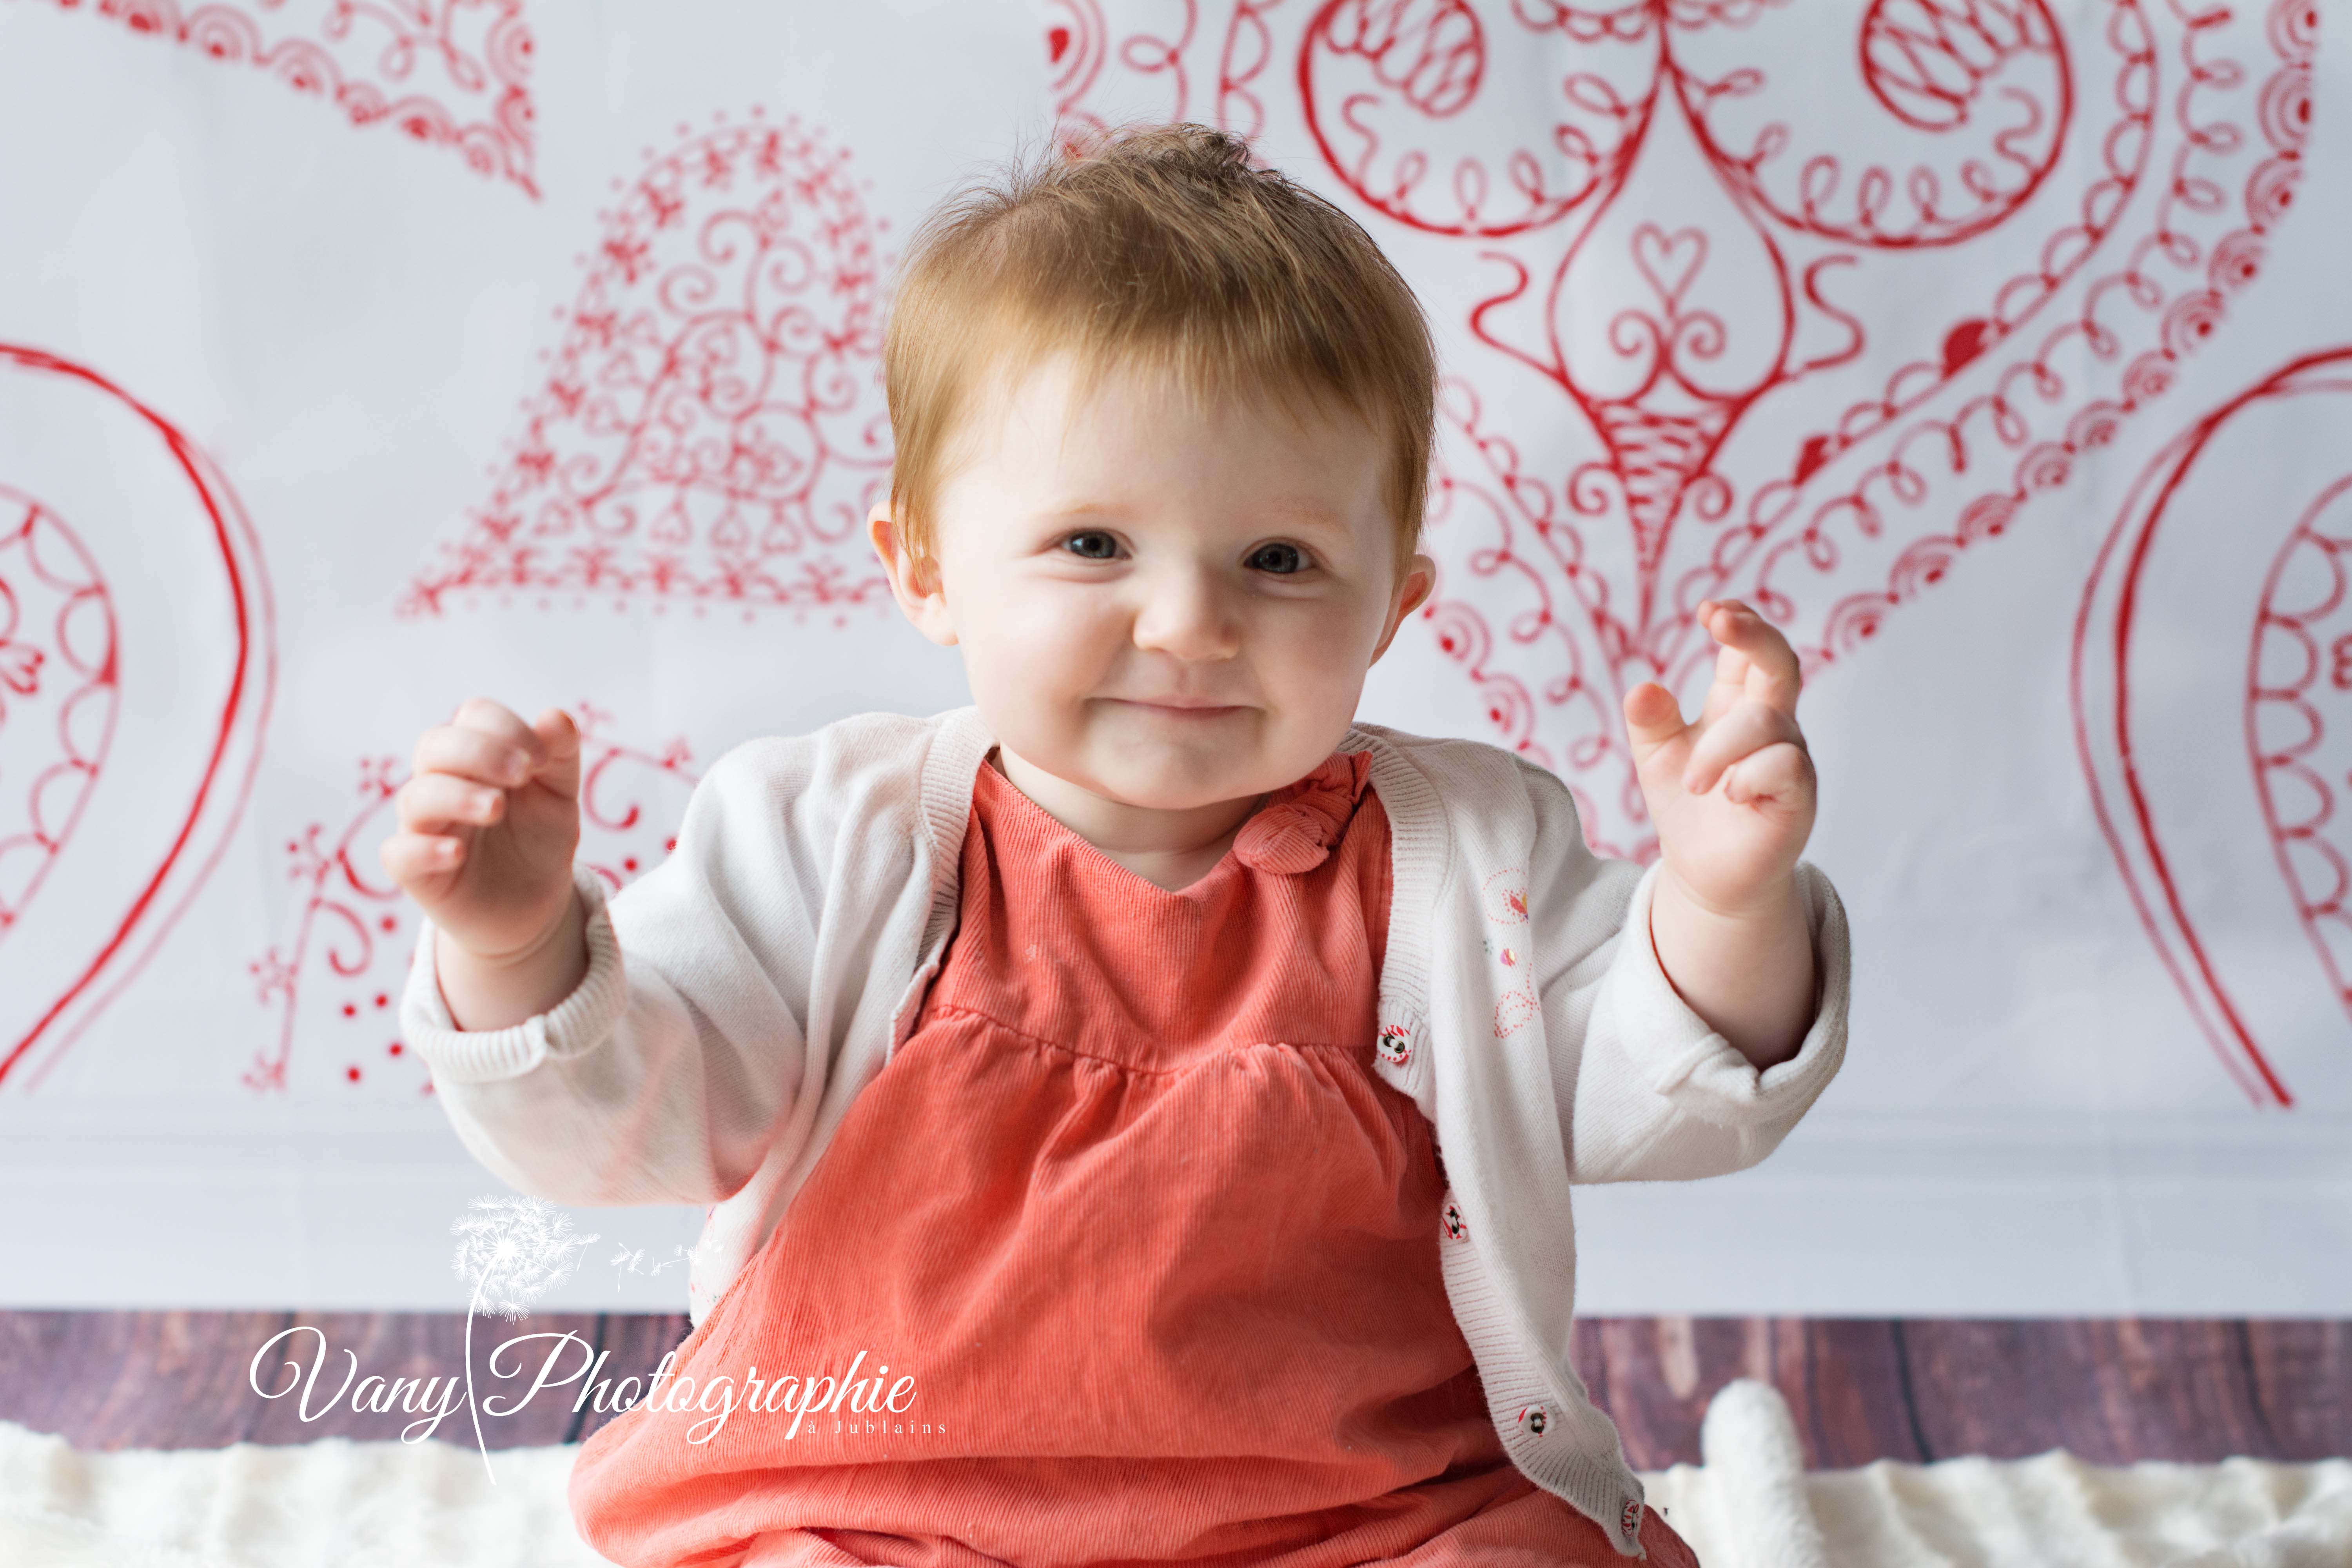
point(1187, 613)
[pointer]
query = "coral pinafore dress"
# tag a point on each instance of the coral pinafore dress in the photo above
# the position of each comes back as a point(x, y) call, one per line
point(1126, 1255)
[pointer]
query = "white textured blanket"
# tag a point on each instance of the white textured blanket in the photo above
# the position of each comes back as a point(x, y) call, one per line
point(1751, 1505)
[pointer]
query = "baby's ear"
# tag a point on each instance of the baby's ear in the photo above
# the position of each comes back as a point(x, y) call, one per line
point(915, 584)
point(1419, 582)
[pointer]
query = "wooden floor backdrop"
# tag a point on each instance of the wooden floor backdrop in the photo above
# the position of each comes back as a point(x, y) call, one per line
point(2109, 1391)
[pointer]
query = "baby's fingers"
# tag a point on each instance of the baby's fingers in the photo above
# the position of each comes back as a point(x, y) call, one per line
point(484, 742)
point(434, 803)
point(1772, 773)
point(413, 859)
point(1748, 727)
point(1753, 658)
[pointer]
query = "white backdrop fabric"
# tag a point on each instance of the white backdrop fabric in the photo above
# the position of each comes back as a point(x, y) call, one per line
point(356, 359)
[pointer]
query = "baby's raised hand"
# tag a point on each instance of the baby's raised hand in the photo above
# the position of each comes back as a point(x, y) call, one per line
point(1732, 847)
point(489, 821)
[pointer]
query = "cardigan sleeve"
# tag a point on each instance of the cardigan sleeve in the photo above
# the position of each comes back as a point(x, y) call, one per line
point(671, 1068)
point(1647, 1090)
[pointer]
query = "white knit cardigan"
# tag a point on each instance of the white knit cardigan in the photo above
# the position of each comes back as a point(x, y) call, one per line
point(780, 953)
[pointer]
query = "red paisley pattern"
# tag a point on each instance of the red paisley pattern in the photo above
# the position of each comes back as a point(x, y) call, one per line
point(136, 620)
point(2284, 563)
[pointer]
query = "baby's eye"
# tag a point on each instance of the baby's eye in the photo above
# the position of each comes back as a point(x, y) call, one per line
point(1092, 544)
point(1280, 559)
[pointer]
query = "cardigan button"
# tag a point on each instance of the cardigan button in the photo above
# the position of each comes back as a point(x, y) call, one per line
point(1395, 1044)
point(1534, 1419)
point(1451, 1219)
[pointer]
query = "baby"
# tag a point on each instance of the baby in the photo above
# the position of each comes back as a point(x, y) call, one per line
point(1136, 1111)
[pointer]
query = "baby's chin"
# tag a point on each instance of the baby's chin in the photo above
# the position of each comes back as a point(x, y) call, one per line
point(1149, 791)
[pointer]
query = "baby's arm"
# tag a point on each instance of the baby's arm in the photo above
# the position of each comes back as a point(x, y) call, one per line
point(1749, 973)
point(483, 995)
point(1647, 1088)
point(1707, 1070)
point(667, 1072)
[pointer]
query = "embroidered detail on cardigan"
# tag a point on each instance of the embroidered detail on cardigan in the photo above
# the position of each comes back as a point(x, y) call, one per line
point(1503, 896)
point(1514, 1010)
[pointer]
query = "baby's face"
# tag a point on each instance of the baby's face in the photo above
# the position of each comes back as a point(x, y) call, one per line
point(1166, 608)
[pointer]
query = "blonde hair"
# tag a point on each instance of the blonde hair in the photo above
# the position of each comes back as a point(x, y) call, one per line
point(1160, 248)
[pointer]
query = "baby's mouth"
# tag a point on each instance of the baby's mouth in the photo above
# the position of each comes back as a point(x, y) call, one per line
point(1184, 710)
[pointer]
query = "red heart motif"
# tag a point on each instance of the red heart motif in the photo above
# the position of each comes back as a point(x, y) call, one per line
point(135, 698)
point(1669, 260)
point(714, 428)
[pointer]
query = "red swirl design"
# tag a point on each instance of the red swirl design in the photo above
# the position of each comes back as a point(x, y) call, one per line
point(59, 687)
point(453, 73)
point(332, 989)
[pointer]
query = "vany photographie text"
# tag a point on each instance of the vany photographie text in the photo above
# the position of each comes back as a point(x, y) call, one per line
point(855, 1404)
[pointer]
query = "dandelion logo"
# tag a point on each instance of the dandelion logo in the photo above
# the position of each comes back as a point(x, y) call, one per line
point(512, 1250)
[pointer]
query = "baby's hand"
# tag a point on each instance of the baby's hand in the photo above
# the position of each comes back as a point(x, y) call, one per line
point(490, 820)
point(1732, 848)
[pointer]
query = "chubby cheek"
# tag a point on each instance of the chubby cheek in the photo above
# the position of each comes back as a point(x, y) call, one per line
point(1035, 655)
point(1313, 665)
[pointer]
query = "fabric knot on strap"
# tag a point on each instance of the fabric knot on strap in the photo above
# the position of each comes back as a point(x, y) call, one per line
point(1295, 829)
